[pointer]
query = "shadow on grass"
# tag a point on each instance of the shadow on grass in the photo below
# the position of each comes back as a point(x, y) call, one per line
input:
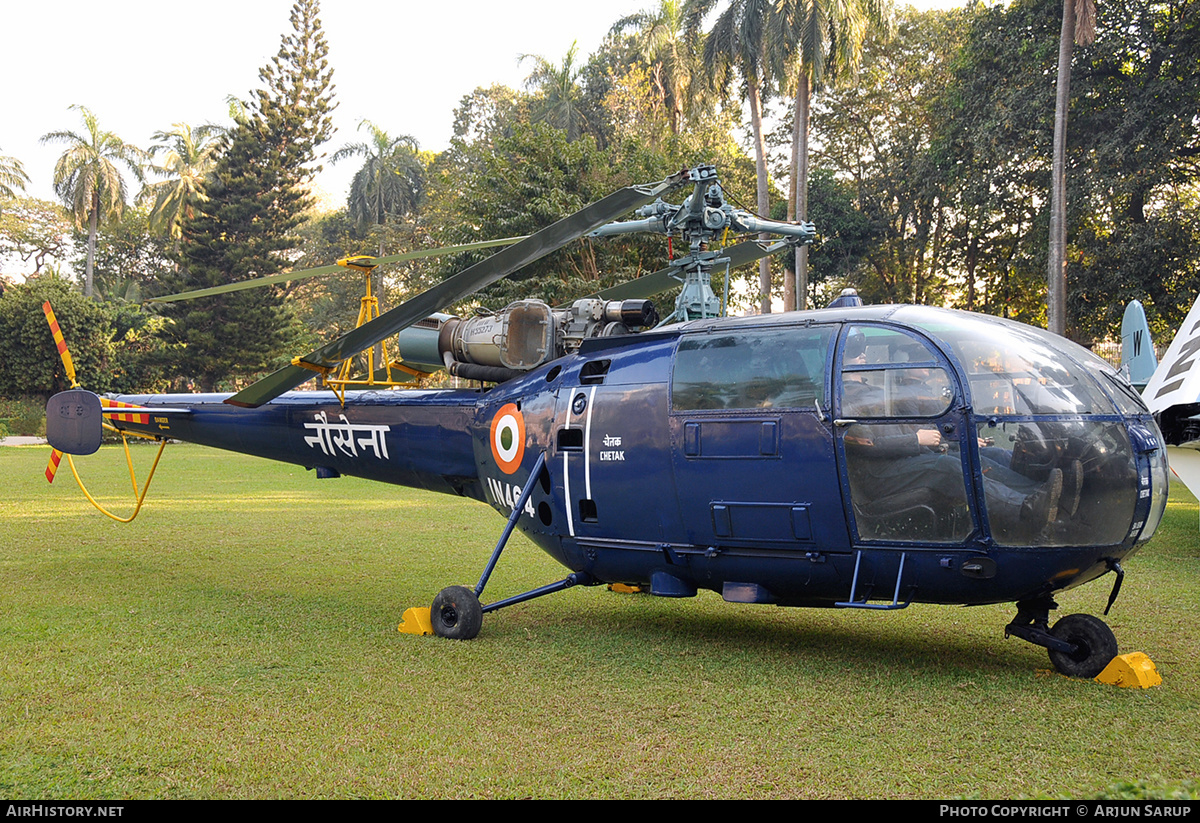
point(640, 630)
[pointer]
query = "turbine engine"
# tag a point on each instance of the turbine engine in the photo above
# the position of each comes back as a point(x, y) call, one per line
point(498, 346)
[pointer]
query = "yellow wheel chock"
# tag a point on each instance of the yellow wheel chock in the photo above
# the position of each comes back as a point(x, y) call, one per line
point(415, 621)
point(625, 588)
point(1130, 671)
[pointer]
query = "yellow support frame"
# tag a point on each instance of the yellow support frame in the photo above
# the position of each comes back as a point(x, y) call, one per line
point(368, 310)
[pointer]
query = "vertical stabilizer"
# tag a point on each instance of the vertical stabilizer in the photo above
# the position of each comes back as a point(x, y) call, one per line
point(1175, 381)
point(1137, 349)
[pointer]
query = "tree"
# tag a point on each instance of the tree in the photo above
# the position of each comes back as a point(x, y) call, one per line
point(31, 363)
point(813, 36)
point(36, 231)
point(189, 156)
point(1134, 186)
point(113, 345)
point(559, 103)
point(1132, 182)
point(327, 307)
point(847, 236)
point(992, 146)
point(670, 58)
point(521, 183)
point(391, 182)
point(483, 115)
point(879, 135)
point(257, 198)
point(1078, 26)
point(12, 176)
point(88, 181)
point(736, 45)
point(131, 258)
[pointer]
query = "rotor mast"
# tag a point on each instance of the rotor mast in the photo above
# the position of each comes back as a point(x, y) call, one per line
point(704, 220)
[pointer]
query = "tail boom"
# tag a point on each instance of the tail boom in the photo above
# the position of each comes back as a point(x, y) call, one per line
point(420, 439)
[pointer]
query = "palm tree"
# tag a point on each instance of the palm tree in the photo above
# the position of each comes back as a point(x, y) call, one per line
point(809, 38)
point(391, 181)
point(12, 176)
point(1078, 26)
point(659, 39)
point(737, 45)
point(87, 180)
point(189, 156)
point(560, 101)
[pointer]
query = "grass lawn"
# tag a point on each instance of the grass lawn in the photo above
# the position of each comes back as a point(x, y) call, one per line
point(239, 640)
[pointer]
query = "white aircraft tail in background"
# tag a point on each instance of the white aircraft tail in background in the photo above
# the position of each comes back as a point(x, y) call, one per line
point(1172, 392)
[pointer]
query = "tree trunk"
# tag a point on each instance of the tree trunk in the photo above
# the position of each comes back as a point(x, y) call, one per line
point(789, 273)
point(93, 224)
point(800, 140)
point(760, 161)
point(1056, 268)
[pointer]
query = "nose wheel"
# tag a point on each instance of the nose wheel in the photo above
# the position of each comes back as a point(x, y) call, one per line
point(1079, 645)
point(1095, 645)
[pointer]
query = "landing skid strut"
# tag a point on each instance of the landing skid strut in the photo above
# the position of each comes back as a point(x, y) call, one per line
point(456, 612)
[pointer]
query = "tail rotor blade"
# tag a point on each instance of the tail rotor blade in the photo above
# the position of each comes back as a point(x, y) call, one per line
point(52, 465)
point(61, 343)
point(68, 364)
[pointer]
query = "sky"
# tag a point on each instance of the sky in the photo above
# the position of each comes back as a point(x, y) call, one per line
point(141, 66)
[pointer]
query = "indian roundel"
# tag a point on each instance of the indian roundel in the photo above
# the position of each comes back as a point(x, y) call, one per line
point(508, 438)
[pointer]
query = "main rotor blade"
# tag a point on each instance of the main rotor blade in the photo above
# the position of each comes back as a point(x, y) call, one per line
point(304, 274)
point(453, 289)
point(649, 285)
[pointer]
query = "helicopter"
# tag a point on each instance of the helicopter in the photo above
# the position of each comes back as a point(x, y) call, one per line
point(854, 457)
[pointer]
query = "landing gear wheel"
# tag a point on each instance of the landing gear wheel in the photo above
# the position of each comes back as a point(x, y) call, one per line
point(456, 613)
point(1097, 645)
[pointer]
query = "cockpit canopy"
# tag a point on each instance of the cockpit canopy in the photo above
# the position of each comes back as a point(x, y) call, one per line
point(1016, 369)
point(1017, 412)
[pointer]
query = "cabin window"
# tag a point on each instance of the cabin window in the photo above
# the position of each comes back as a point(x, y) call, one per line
point(1055, 461)
point(1098, 472)
point(753, 369)
point(881, 346)
point(924, 392)
point(887, 373)
point(1127, 399)
point(903, 487)
point(906, 478)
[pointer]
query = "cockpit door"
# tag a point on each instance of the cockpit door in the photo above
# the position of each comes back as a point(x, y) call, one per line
point(901, 439)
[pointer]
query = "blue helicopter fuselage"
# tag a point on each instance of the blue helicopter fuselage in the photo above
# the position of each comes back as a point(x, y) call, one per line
point(772, 459)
